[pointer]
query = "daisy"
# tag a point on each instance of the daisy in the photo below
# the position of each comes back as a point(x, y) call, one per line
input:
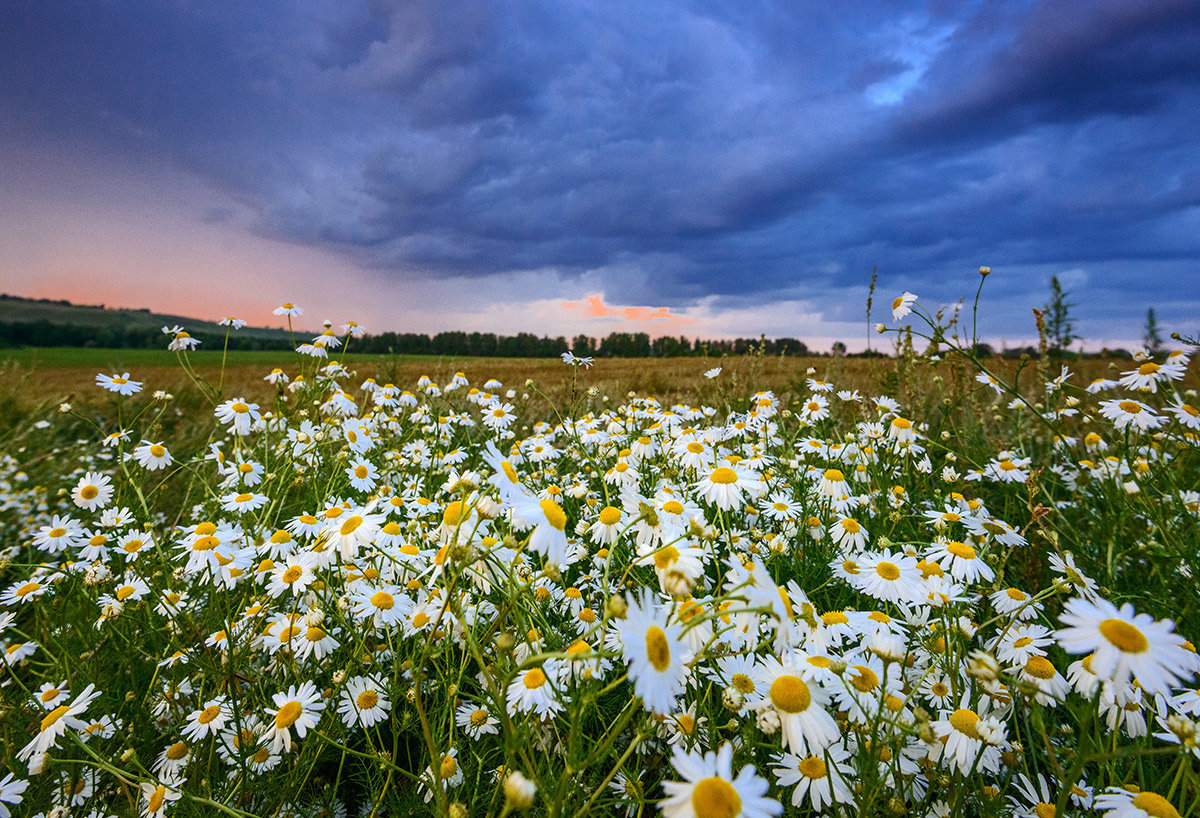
point(238, 415)
point(549, 521)
point(364, 701)
point(208, 721)
point(93, 491)
point(849, 534)
point(833, 484)
point(288, 309)
point(118, 383)
point(57, 722)
point(349, 531)
point(11, 789)
point(50, 696)
point(299, 707)
point(158, 798)
point(654, 652)
point(1125, 413)
point(962, 562)
point(475, 721)
point(709, 789)
point(20, 592)
point(243, 502)
point(1016, 603)
point(1125, 644)
point(887, 576)
point(532, 691)
point(362, 474)
point(726, 487)
point(152, 456)
point(962, 740)
point(1117, 802)
point(902, 306)
point(821, 777)
point(294, 575)
point(800, 703)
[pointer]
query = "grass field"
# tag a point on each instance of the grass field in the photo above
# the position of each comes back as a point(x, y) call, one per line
point(53, 374)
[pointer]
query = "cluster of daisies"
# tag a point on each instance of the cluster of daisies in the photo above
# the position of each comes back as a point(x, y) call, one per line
point(358, 596)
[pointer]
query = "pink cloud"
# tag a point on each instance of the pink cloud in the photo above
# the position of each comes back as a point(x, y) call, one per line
point(663, 318)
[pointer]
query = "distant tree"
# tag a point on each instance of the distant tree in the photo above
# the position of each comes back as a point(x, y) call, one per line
point(839, 349)
point(1152, 340)
point(1060, 326)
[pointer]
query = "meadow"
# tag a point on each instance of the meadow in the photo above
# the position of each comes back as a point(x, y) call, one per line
point(271, 584)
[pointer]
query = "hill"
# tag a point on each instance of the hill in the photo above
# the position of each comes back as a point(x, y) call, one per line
point(17, 310)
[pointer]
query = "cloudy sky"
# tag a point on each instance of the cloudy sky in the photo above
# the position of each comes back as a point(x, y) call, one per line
point(591, 165)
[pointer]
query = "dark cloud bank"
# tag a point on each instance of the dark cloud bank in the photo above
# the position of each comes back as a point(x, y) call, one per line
point(756, 151)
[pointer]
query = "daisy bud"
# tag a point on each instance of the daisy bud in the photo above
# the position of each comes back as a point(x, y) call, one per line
point(880, 328)
point(616, 607)
point(768, 721)
point(64, 407)
point(983, 666)
point(733, 699)
point(677, 583)
point(458, 810)
point(505, 642)
point(339, 676)
point(128, 754)
point(985, 271)
point(519, 791)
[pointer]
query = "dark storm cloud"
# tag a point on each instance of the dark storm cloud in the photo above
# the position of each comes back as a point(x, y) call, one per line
point(752, 150)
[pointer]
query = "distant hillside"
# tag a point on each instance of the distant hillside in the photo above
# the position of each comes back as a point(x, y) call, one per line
point(16, 310)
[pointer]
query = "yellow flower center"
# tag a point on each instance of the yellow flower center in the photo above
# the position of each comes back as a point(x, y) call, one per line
point(863, 679)
point(790, 694)
point(723, 476)
point(288, 714)
point(292, 574)
point(610, 515)
point(666, 557)
point(961, 550)
point(1129, 407)
point(209, 713)
point(834, 476)
point(888, 571)
point(449, 767)
point(1044, 810)
point(89, 492)
point(1040, 668)
point(478, 718)
point(124, 592)
point(57, 532)
point(1154, 805)
point(53, 716)
point(658, 650)
point(1123, 636)
point(351, 525)
point(554, 514)
point(813, 767)
point(966, 722)
point(715, 798)
point(202, 544)
point(383, 600)
point(695, 448)
point(154, 804)
point(27, 589)
point(535, 678)
point(177, 751)
point(673, 507)
point(851, 526)
point(367, 699)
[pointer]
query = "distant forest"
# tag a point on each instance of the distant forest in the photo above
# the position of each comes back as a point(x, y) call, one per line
point(459, 344)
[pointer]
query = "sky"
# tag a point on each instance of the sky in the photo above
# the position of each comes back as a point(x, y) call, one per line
point(589, 166)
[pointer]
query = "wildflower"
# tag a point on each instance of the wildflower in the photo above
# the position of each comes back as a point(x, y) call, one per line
point(118, 383)
point(1125, 413)
point(712, 373)
point(182, 341)
point(726, 487)
point(475, 721)
point(94, 490)
point(289, 310)
point(532, 691)
point(902, 306)
point(799, 702)
point(1125, 644)
point(1117, 802)
point(822, 777)
point(299, 707)
point(11, 792)
point(709, 789)
point(964, 735)
point(519, 791)
point(57, 722)
point(210, 720)
point(152, 456)
point(238, 415)
point(158, 797)
point(572, 360)
point(364, 702)
point(654, 653)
